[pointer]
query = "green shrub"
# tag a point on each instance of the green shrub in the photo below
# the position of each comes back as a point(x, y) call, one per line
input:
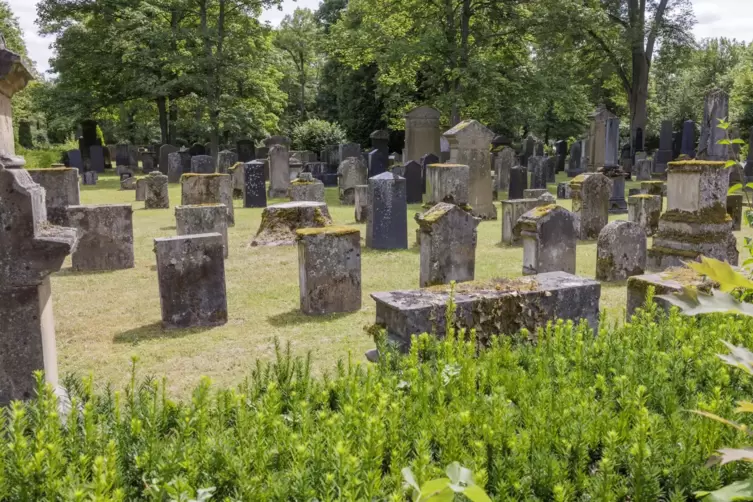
point(573, 417)
point(41, 158)
point(315, 134)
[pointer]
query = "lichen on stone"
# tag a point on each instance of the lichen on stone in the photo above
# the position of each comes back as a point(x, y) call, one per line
point(445, 165)
point(330, 230)
point(716, 213)
point(694, 165)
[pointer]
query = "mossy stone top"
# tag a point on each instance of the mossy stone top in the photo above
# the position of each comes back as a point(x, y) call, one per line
point(54, 169)
point(445, 166)
point(193, 175)
point(694, 166)
point(329, 230)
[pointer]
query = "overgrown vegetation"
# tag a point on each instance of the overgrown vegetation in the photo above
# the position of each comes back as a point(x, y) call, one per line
point(574, 417)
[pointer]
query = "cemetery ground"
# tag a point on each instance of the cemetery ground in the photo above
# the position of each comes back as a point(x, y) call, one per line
point(104, 319)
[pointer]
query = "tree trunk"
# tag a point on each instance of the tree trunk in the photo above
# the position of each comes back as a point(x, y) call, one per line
point(162, 108)
point(172, 122)
point(638, 97)
point(303, 88)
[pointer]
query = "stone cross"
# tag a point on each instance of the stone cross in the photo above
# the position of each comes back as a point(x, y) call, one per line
point(30, 250)
point(620, 251)
point(549, 240)
point(387, 227)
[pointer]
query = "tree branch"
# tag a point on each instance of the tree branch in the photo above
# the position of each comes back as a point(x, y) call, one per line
point(618, 20)
point(658, 20)
point(615, 61)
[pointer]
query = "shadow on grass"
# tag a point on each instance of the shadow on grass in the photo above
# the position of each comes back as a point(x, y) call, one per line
point(154, 331)
point(295, 316)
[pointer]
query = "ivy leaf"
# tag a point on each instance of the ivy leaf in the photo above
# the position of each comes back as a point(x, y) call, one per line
point(409, 479)
point(735, 188)
point(721, 272)
point(730, 163)
point(475, 493)
point(738, 491)
point(738, 141)
point(724, 142)
point(437, 490)
point(727, 455)
point(716, 302)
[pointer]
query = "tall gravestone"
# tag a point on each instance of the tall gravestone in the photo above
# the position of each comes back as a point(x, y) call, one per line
point(254, 188)
point(688, 139)
point(387, 226)
point(377, 163)
point(427, 160)
point(413, 183)
point(226, 160)
point(716, 108)
point(597, 138)
point(75, 160)
point(560, 148)
point(351, 172)
point(164, 161)
point(174, 167)
point(30, 250)
point(549, 240)
point(421, 133)
point(504, 160)
point(380, 140)
point(550, 169)
point(245, 150)
point(518, 182)
point(529, 150)
point(537, 167)
point(97, 158)
point(573, 166)
point(346, 150)
point(664, 155)
point(157, 194)
point(469, 145)
point(279, 171)
point(591, 193)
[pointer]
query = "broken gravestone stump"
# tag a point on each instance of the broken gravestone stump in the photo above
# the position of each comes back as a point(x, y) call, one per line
point(306, 188)
point(279, 222)
point(645, 210)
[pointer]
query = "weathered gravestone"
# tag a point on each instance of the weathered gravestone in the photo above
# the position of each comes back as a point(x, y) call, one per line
point(534, 193)
point(529, 150)
point(380, 140)
point(715, 108)
point(598, 139)
point(97, 159)
point(140, 189)
point(492, 307)
point(538, 172)
point(277, 140)
point(549, 240)
point(563, 190)
point(560, 147)
point(413, 182)
point(672, 280)
point(164, 161)
point(351, 172)
point(202, 164)
point(329, 269)
point(512, 210)
point(387, 226)
point(203, 219)
point(664, 154)
point(75, 160)
point(123, 156)
point(105, 236)
point(696, 221)
point(89, 178)
point(550, 169)
point(61, 190)
point(447, 183)
point(620, 251)
point(197, 149)
point(226, 160)
point(421, 133)
point(279, 222)
point(504, 160)
point(426, 161)
point(191, 275)
point(279, 172)
point(469, 145)
point(591, 193)
point(518, 182)
point(246, 151)
point(574, 164)
point(377, 163)
point(254, 189)
point(127, 183)
point(147, 162)
point(362, 203)
point(306, 188)
point(30, 250)
point(174, 166)
point(645, 209)
point(157, 195)
point(644, 168)
point(208, 189)
point(448, 245)
point(349, 150)
point(688, 139)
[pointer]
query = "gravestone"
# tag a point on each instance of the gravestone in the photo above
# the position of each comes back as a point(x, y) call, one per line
point(351, 172)
point(664, 154)
point(254, 189)
point(529, 150)
point(666, 283)
point(377, 163)
point(448, 245)
point(490, 307)
point(469, 145)
point(735, 210)
point(197, 149)
point(202, 164)
point(105, 235)
point(349, 150)
point(387, 226)
point(306, 188)
point(504, 160)
point(563, 190)
point(362, 203)
point(127, 182)
point(157, 194)
point(421, 133)
point(174, 167)
point(380, 140)
point(444, 149)
point(574, 164)
point(75, 160)
point(164, 161)
point(97, 159)
point(123, 155)
point(599, 142)
point(89, 178)
point(644, 168)
point(329, 270)
point(645, 209)
point(534, 193)
point(140, 189)
point(226, 160)
point(208, 189)
point(61, 190)
point(279, 172)
point(413, 183)
point(30, 250)
point(550, 166)
point(203, 219)
point(676, 144)
point(245, 148)
point(560, 147)
point(620, 251)
point(696, 221)
point(715, 108)
point(447, 183)
point(518, 182)
point(512, 210)
point(549, 240)
point(537, 167)
point(277, 140)
point(426, 161)
point(591, 193)
point(279, 222)
point(147, 162)
point(191, 276)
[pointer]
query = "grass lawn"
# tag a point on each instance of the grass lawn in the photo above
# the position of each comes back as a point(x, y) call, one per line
point(103, 319)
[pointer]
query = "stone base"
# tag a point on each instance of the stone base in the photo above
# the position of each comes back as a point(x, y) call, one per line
point(572, 173)
point(277, 193)
point(563, 190)
point(617, 206)
point(501, 306)
point(279, 222)
point(672, 280)
point(488, 212)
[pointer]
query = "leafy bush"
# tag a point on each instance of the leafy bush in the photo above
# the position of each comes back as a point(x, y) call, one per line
point(315, 134)
point(573, 417)
point(41, 158)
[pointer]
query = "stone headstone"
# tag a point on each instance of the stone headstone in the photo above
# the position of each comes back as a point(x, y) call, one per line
point(157, 194)
point(644, 168)
point(591, 194)
point(277, 140)
point(549, 240)
point(529, 150)
point(387, 227)
point(612, 146)
point(645, 209)
point(550, 168)
point(362, 203)
point(203, 219)
point(560, 147)
point(97, 159)
point(377, 163)
point(279, 171)
point(164, 161)
point(447, 183)
point(380, 140)
point(448, 245)
point(197, 149)
point(518, 182)
point(29, 252)
point(715, 108)
point(413, 182)
point(469, 145)
point(279, 222)
point(147, 162)
point(349, 150)
point(329, 270)
point(735, 210)
point(208, 189)
point(202, 164)
point(421, 133)
point(503, 162)
point(512, 210)
point(122, 155)
point(226, 160)
point(174, 166)
point(262, 153)
point(105, 236)
point(61, 190)
point(620, 251)
point(306, 188)
point(596, 152)
point(89, 178)
point(351, 172)
point(254, 189)
point(563, 190)
point(664, 154)
point(140, 189)
point(191, 276)
point(665, 283)
point(534, 193)
point(427, 160)
point(75, 160)
point(537, 167)
point(246, 151)
point(695, 222)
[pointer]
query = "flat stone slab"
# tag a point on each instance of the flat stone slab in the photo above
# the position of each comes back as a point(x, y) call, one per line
point(279, 222)
point(499, 306)
point(672, 280)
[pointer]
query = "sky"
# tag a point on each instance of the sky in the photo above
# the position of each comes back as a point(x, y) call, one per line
point(729, 18)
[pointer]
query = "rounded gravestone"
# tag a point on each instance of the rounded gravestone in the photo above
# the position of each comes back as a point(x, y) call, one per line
point(620, 251)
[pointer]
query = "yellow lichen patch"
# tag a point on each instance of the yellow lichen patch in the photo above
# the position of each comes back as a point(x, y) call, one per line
point(642, 196)
point(193, 175)
point(578, 179)
point(53, 169)
point(330, 230)
point(540, 211)
point(299, 181)
point(435, 213)
point(445, 166)
point(694, 165)
point(501, 284)
point(683, 275)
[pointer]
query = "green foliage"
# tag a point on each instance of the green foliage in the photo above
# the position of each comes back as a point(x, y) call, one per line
point(572, 417)
point(315, 134)
point(39, 158)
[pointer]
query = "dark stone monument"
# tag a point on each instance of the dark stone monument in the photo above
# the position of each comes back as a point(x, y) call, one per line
point(377, 163)
point(164, 152)
point(550, 167)
point(573, 167)
point(75, 160)
point(122, 155)
point(380, 140)
point(254, 189)
point(561, 149)
point(528, 150)
point(537, 166)
point(97, 158)
point(197, 149)
point(638, 141)
point(426, 160)
point(518, 182)
point(245, 150)
point(688, 139)
point(676, 144)
point(387, 227)
point(413, 183)
point(664, 154)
